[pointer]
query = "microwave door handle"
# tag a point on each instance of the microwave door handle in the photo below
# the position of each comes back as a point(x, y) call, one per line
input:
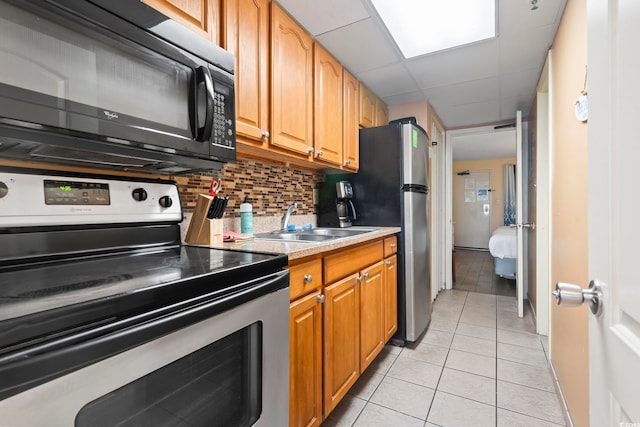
point(203, 77)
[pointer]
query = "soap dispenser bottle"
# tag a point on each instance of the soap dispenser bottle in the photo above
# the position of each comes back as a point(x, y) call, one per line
point(246, 217)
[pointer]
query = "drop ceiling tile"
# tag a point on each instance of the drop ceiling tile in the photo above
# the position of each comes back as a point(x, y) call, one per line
point(470, 114)
point(509, 106)
point(403, 98)
point(472, 62)
point(517, 16)
point(360, 46)
point(321, 16)
point(464, 93)
point(390, 80)
point(525, 50)
point(522, 83)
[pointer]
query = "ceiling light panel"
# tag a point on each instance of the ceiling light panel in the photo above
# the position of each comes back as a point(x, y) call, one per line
point(424, 26)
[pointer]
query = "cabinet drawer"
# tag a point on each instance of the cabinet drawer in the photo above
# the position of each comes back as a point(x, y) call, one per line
point(341, 264)
point(305, 278)
point(390, 246)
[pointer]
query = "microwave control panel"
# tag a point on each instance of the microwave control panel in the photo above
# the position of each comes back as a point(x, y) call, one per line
point(223, 133)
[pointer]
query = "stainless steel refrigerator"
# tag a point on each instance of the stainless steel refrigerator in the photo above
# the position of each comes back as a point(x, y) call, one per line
point(391, 188)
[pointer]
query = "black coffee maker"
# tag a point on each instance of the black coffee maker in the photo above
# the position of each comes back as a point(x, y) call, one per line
point(344, 205)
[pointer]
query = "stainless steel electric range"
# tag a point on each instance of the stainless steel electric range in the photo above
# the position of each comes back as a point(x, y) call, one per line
point(107, 319)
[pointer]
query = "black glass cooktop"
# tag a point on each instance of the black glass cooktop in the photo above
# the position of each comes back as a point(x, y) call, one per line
point(75, 291)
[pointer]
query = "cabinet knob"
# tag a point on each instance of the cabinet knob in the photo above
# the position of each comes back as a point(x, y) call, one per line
point(347, 163)
point(310, 150)
point(358, 279)
point(308, 278)
point(393, 245)
point(389, 263)
point(321, 298)
point(319, 154)
point(365, 275)
point(265, 134)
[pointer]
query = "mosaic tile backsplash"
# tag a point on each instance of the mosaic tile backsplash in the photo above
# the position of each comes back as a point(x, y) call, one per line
point(269, 188)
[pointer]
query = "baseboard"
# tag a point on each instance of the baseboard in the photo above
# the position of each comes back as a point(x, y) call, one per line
point(567, 414)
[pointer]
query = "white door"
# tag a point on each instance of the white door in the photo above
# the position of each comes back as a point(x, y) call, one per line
point(614, 153)
point(521, 258)
point(472, 209)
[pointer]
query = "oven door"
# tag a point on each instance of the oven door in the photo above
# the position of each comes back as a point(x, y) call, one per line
point(230, 369)
point(70, 66)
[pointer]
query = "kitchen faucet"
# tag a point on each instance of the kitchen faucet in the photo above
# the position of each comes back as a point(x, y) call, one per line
point(287, 215)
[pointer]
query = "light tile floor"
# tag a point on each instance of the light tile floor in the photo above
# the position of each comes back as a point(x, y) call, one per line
point(477, 365)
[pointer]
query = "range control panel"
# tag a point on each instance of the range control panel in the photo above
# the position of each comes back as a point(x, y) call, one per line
point(83, 193)
point(41, 200)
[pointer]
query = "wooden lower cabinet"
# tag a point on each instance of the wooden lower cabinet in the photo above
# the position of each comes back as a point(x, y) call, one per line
point(342, 313)
point(341, 345)
point(390, 297)
point(372, 321)
point(305, 359)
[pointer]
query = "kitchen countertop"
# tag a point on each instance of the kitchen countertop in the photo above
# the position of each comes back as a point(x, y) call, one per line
point(296, 250)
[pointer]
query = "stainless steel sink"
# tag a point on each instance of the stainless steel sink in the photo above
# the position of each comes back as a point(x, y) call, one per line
point(317, 235)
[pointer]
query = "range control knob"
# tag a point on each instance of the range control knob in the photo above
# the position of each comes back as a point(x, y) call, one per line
point(165, 201)
point(139, 194)
point(3, 189)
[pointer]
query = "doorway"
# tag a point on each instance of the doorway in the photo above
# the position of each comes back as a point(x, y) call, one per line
point(471, 209)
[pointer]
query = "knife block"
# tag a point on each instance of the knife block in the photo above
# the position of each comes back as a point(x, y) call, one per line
point(202, 230)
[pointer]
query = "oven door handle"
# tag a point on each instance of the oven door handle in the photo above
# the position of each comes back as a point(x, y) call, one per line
point(36, 365)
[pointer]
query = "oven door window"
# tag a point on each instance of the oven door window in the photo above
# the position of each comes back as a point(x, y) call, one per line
point(218, 385)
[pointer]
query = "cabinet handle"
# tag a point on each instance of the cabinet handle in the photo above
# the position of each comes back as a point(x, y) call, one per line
point(308, 278)
point(319, 154)
point(321, 298)
point(389, 263)
point(310, 150)
point(365, 275)
point(265, 134)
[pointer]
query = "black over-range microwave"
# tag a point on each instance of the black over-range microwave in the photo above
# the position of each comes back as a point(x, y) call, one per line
point(112, 84)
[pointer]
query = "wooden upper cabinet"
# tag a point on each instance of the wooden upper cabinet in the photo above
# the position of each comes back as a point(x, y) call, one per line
point(367, 107)
point(382, 113)
point(327, 123)
point(291, 84)
point(246, 35)
point(351, 117)
point(200, 16)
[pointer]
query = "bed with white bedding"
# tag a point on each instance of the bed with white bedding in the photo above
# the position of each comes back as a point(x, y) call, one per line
point(504, 249)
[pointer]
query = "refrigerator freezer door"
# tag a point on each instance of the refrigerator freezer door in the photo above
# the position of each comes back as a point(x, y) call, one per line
point(415, 155)
point(416, 266)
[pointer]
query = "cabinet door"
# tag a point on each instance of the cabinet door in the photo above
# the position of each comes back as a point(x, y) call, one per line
point(350, 114)
point(372, 314)
point(327, 125)
point(341, 344)
point(367, 107)
point(305, 374)
point(291, 84)
point(382, 113)
point(390, 297)
point(246, 35)
point(200, 16)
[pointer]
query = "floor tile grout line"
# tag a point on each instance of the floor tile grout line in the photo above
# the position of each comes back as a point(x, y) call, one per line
point(445, 362)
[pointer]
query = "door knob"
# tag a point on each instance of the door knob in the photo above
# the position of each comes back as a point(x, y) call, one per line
point(570, 295)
